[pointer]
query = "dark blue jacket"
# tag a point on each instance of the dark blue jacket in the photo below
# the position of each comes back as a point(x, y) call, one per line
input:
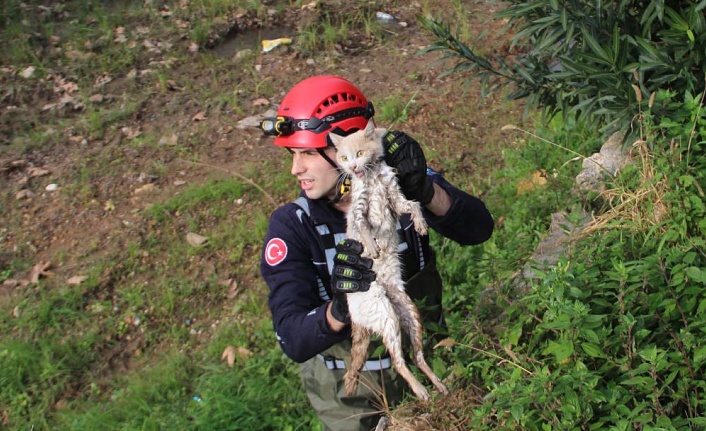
point(298, 253)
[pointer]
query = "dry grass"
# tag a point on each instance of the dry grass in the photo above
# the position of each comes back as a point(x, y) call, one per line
point(639, 208)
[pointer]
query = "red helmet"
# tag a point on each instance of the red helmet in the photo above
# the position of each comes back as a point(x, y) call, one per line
point(314, 107)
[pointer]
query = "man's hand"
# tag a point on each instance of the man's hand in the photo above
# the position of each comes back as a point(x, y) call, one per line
point(405, 155)
point(351, 273)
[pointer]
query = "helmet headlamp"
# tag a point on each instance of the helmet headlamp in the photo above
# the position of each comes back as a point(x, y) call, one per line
point(285, 126)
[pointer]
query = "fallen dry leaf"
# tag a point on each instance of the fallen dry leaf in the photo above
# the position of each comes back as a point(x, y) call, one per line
point(232, 286)
point(145, 189)
point(24, 194)
point(18, 163)
point(260, 102)
point(446, 342)
point(28, 72)
point(129, 133)
point(173, 86)
point(199, 117)
point(536, 180)
point(228, 355)
point(102, 80)
point(231, 353)
point(195, 239)
point(39, 270)
point(11, 283)
point(170, 140)
point(68, 86)
point(37, 172)
point(76, 279)
point(310, 6)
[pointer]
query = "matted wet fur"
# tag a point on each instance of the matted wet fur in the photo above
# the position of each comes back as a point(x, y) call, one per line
point(376, 203)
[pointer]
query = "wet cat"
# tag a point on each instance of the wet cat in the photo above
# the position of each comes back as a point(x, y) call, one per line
point(376, 204)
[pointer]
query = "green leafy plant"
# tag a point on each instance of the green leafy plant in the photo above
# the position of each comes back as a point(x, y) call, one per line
point(599, 60)
point(610, 337)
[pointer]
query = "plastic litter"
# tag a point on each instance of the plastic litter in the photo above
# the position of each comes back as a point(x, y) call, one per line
point(269, 45)
point(382, 16)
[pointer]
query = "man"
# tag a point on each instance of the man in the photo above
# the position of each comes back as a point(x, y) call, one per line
point(306, 258)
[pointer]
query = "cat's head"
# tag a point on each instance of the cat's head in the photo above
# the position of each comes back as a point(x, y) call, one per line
point(358, 152)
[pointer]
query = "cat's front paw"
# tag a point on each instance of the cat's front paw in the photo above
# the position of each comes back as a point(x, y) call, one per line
point(371, 252)
point(370, 249)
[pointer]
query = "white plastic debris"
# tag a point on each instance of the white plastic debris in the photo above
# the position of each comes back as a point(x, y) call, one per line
point(382, 16)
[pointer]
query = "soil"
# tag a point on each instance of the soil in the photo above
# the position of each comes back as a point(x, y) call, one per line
point(104, 180)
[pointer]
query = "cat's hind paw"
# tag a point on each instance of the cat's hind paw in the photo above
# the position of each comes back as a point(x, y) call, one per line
point(420, 225)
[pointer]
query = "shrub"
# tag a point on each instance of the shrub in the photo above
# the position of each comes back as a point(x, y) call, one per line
point(600, 60)
point(612, 336)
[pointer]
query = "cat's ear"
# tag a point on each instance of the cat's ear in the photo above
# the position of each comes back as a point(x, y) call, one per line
point(373, 133)
point(370, 130)
point(336, 139)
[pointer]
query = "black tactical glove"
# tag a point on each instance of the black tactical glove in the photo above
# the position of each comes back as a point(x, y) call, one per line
point(405, 155)
point(339, 308)
point(351, 273)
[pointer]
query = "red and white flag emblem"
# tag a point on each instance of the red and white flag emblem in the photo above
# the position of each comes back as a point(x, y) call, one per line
point(275, 251)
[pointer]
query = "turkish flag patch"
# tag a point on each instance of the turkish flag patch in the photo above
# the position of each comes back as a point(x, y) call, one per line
point(275, 251)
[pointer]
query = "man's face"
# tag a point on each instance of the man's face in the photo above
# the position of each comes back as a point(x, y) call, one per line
point(316, 175)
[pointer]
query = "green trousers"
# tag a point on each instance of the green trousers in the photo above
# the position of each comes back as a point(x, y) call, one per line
point(327, 395)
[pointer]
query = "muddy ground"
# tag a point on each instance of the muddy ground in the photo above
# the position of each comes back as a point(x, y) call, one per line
point(454, 122)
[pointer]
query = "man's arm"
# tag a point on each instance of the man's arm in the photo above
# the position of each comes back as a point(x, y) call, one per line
point(299, 315)
point(449, 211)
point(440, 202)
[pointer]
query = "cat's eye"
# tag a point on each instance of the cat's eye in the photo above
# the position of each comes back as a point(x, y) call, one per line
point(360, 153)
point(344, 158)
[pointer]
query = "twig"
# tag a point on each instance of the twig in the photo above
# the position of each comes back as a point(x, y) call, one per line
point(512, 127)
point(237, 174)
point(693, 128)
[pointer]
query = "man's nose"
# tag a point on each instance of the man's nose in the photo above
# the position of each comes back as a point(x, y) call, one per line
point(297, 165)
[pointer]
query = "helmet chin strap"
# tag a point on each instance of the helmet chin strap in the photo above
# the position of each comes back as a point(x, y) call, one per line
point(344, 185)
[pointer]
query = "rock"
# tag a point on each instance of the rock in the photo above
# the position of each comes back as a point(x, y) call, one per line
point(611, 158)
point(254, 121)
